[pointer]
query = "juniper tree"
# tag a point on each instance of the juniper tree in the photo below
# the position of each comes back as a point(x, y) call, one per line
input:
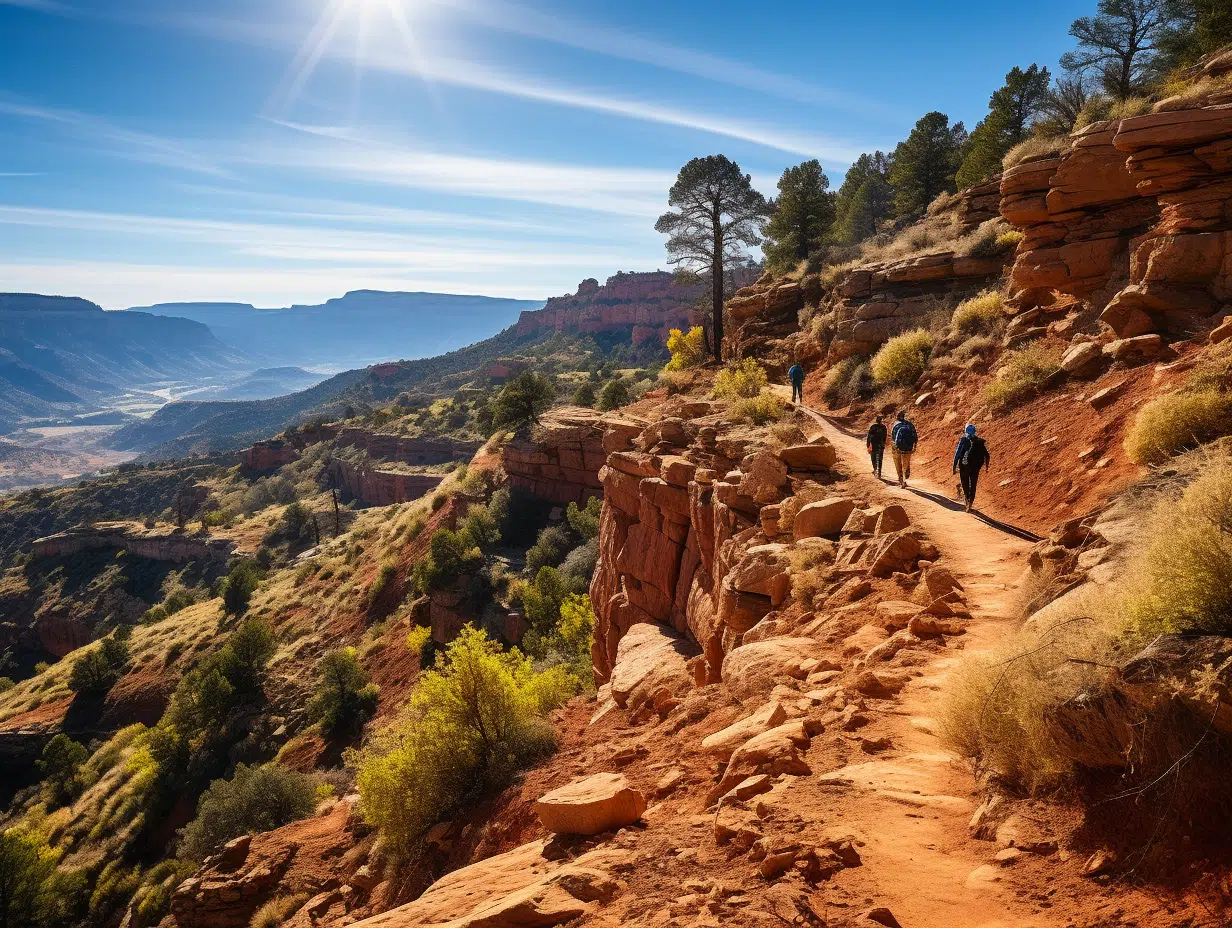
point(1118, 44)
point(716, 214)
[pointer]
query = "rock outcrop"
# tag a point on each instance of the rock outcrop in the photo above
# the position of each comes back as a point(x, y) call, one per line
point(123, 536)
point(1133, 217)
point(560, 462)
point(646, 304)
point(590, 806)
point(376, 484)
point(268, 455)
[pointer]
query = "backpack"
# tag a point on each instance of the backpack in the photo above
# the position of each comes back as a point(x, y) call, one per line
point(905, 437)
point(976, 454)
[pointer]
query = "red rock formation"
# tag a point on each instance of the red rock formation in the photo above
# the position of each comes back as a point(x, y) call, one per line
point(268, 455)
point(561, 461)
point(376, 486)
point(649, 303)
point(402, 449)
point(1134, 217)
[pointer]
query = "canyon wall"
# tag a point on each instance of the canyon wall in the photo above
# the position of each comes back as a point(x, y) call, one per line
point(698, 520)
point(374, 485)
point(122, 536)
point(560, 462)
point(1133, 217)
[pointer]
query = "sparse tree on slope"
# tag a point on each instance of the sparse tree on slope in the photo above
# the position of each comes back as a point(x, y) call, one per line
point(1118, 44)
point(865, 199)
point(716, 215)
point(803, 215)
point(1011, 111)
point(522, 401)
point(1060, 109)
point(925, 164)
point(1194, 28)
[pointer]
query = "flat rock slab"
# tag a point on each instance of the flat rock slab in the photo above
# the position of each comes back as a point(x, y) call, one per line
point(595, 804)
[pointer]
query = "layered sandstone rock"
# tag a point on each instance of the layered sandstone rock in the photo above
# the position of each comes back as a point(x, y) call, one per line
point(560, 462)
point(648, 304)
point(1133, 217)
point(375, 484)
point(124, 536)
point(268, 455)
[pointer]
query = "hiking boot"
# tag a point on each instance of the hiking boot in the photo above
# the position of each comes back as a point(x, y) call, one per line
point(969, 505)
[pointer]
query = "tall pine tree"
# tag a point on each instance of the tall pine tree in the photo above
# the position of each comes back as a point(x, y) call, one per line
point(925, 164)
point(864, 200)
point(802, 217)
point(1011, 111)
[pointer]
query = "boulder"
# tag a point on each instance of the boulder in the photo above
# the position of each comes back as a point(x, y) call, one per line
point(1135, 350)
point(1081, 359)
point(891, 518)
point(762, 665)
point(722, 743)
point(763, 477)
point(819, 455)
point(595, 804)
point(826, 517)
point(651, 668)
point(1108, 395)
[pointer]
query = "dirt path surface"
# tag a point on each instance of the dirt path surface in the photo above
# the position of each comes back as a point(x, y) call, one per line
point(913, 805)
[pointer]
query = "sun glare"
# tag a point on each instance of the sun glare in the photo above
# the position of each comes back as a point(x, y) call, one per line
point(361, 16)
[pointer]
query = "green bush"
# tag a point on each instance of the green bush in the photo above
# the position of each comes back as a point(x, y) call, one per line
point(550, 548)
point(238, 588)
point(244, 656)
point(97, 671)
point(584, 395)
point(479, 524)
point(344, 697)
point(470, 724)
point(387, 574)
point(902, 360)
point(60, 766)
point(1024, 374)
point(758, 410)
point(450, 554)
point(615, 393)
point(585, 521)
point(254, 799)
point(1176, 422)
point(522, 401)
point(27, 878)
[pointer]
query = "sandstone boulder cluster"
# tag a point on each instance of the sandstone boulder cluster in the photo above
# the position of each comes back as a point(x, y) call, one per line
point(1131, 216)
point(560, 462)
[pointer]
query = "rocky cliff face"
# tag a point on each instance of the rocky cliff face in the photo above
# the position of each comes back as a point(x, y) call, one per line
point(1133, 217)
point(698, 524)
point(123, 536)
point(648, 303)
point(374, 485)
point(561, 461)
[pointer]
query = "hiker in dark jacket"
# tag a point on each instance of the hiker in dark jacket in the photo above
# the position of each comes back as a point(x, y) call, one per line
point(970, 457)
point(796, 376)
point(876, 444)
point(903, 440)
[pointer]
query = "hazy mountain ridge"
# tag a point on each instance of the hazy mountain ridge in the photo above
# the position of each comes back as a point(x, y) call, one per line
point(361, 327)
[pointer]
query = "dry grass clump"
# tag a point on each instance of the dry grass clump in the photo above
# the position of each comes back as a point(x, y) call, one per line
point(1176, 422)
point(277, 911)
point(1026, 373)
point(833, 273)
point(1130, 106)
point(1032, 149)
point(758, 410)
point(979, 315)
point(993, 238)
point(810, 569)
point(1183, 95)
point(1184, 583)
point(743, 384)
point(998, 705)
point(903, 359)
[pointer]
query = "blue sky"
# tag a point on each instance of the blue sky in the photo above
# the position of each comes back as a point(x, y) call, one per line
point(290, 150)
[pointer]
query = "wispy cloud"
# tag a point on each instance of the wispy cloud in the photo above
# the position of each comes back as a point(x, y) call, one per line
point(613, 43)
point(114, 140)
point(23, 174)
point(43, 6)
point(620, 191)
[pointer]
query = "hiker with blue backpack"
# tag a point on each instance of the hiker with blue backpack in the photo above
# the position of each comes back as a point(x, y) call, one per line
point(903, 439)
point(970, 457)
point(796, 376)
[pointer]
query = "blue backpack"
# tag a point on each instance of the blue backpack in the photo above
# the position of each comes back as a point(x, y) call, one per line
point(905, 437)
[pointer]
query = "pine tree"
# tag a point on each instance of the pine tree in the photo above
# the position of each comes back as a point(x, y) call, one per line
point(925, 164)
point(716, 215)
point(803, 215)
point(1011, 111)
point(865, 199)
point(1118, 44)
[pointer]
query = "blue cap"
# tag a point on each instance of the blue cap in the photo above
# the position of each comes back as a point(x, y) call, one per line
point(970, 430)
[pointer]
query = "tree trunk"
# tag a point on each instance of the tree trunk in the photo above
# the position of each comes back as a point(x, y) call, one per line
point(716, 286)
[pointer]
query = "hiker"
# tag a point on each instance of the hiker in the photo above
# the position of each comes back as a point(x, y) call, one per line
point(903, 437)
point(796, 376)
point(876, 444)
point(970, 457)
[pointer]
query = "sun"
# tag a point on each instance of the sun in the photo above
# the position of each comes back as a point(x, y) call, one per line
point(363, 16)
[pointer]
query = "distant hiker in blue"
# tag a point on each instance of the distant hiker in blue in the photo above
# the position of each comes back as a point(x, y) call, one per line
point(903, 439)
point(970, 457)
point(796, 376)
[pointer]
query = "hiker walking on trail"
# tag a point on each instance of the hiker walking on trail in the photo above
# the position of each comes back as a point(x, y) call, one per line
point(796, 376)
point(970, 457)
point(903, 438)
point(876, 444)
